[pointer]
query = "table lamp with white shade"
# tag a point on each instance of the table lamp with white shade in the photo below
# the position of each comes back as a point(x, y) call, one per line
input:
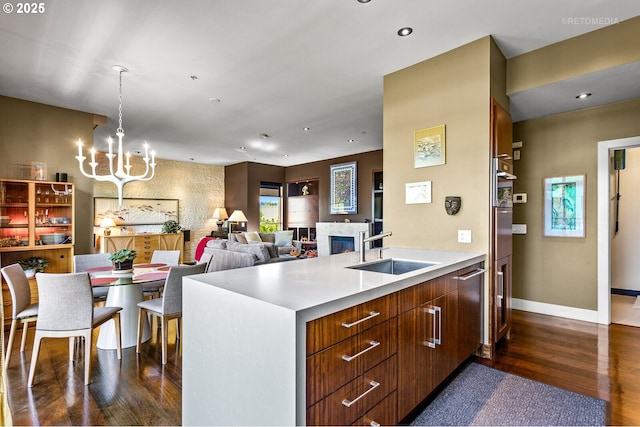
point(106, 224)
point(220, 214)
point(236, 216)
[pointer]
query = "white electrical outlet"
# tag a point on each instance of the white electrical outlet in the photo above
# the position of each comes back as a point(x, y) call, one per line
point(520, 198)
point(519, 228)
point(464, 236)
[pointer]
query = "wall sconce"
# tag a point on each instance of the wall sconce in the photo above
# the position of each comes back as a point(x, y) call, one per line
point(220, 214)
point(236, 216)
point(106, 223)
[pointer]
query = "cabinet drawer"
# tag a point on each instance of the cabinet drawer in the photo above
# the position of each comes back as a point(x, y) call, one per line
point(328, 330)
point(424, 292)
point(337, 365)
point(384, 413)
point(353, 400)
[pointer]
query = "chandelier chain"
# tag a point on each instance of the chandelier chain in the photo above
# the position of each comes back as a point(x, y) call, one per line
point(120, 130)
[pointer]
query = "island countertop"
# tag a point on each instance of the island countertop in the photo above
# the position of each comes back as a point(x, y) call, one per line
point(315, 287)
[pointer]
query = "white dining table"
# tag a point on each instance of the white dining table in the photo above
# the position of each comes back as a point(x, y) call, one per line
point(125, 290)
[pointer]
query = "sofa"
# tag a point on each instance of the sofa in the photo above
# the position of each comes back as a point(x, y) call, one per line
point(246, 249)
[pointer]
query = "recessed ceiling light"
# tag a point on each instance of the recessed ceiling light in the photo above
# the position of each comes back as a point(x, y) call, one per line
point(405, 31)
point(285, 155)
point(215, 100)
point(243, 148)
point(583, 95)
point(193, 77)
point(306, 128)
point(264, 136)
point(350, 140)
point(364, 1)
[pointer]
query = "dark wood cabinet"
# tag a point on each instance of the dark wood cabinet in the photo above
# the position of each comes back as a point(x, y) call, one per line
point(501, 131)
point(374, 363)
point(502, 299)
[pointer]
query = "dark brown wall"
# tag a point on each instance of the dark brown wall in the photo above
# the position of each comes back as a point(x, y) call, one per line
point(367, 164)
point(242, 185)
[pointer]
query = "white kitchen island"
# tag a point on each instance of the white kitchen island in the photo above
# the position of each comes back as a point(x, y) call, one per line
point(244, 339)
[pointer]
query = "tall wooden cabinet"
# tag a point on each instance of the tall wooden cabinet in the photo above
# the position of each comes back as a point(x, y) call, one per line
point(36, 220)
point(144, 244)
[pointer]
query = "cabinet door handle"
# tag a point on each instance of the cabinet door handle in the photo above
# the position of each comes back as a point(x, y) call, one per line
point(372, 344)
point(370, 316)
point(476, 272)
point(438, 340)
point(501, 277)
point(429, 341)
point(374, 424)
point(373, 384)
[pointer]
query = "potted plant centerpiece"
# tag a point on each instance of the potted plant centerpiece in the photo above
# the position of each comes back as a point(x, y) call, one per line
point(171, 226)
point(123, 260)
point(33, 265)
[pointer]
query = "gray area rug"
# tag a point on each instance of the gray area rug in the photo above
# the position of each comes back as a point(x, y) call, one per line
point(482, 396)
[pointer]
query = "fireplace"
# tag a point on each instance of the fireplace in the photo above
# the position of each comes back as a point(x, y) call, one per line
point(341, 244)
point(344, 233)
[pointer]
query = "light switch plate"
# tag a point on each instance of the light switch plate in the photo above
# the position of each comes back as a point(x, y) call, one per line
point(520, 198)
point(519, 228)
point(517, 144)
point(464, 236)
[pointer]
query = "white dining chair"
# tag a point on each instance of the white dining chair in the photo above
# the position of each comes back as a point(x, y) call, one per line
point(66, 311)
point(169, 306)
point(86, 261)
point(22, 311)
point(169, 258)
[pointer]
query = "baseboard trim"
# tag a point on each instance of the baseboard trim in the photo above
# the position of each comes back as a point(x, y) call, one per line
point(555, 310)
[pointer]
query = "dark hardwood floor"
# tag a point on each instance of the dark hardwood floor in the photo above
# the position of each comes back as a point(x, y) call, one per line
point(137, 391)
point(598, 361)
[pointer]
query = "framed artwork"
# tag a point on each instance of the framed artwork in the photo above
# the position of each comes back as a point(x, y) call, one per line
point(344, 186)
point(429, 147)
point(134, 211)
point(38, 171)
point(418, 192)
point(564, 206)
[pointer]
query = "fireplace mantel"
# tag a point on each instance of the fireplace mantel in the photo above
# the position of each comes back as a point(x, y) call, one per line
point(346, 229)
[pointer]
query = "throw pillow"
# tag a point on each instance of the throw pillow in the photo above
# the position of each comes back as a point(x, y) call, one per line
point(284, 238)
point(252, 237)
point(239, 238)
point(271, 247)
point(266, 254)
point(268, 237)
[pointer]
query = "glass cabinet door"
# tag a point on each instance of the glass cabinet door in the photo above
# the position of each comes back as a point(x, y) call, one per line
point(14, 214)
point(53, 213)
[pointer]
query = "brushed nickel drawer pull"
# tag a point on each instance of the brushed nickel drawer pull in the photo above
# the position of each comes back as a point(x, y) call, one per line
point(372, 344)
point(373, 385)
point(476, 272)
point(429, 341)
point(370, 316)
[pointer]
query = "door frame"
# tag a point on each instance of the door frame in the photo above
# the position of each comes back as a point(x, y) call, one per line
point(604, 222)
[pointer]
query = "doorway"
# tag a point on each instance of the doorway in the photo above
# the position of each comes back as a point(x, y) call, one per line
point(604, 222)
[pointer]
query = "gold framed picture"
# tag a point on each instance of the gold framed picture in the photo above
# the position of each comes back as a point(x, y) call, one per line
point(429, 147)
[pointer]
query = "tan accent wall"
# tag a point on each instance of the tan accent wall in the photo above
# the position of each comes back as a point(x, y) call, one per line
point(450, 89)
point(36, 132)
point(556, 270)
point(595, 51)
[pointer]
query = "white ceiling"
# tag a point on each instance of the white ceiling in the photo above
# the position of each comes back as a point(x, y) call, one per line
point(275, 66)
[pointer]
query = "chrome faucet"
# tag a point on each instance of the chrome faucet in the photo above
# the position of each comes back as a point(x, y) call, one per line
point(369, 239)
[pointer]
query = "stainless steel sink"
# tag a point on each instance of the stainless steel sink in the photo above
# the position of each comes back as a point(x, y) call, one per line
point(392, 266)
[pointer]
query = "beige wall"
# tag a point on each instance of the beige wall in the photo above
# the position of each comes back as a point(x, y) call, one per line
point(451, 89)
point(199, 189)
point(608, 47)
point(36, 132)
point(562, 271)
